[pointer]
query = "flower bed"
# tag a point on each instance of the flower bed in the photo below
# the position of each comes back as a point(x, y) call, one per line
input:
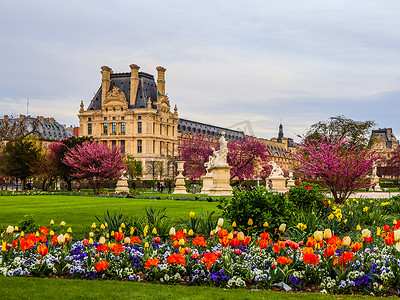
point(224, 259)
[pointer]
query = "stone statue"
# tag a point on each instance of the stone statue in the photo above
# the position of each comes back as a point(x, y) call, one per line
point(211, 160)
point(374, 170)
point(276, 170)
point(220, 156)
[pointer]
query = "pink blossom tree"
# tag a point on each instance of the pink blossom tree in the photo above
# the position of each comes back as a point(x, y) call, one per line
point(246, 156)
point(340, 166)
point(95, 163)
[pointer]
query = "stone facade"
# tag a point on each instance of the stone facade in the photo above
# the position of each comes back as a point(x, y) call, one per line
point(131, 111)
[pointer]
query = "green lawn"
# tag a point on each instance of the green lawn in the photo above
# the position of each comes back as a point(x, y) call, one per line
point(45, 288)
point(79, 211)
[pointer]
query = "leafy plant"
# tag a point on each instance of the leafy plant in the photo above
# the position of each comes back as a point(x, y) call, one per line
point(28, 224)
point(308, 196)
point(157, 218)
point(260, 206)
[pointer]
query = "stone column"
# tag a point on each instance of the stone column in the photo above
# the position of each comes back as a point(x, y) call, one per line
point(105, 82)
point(160, 80)
point(134, 82)
point(221, 181)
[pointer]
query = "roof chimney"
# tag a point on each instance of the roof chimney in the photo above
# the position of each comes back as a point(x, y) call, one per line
point(5, 118)
point(160, 81)
point(105, 82)
point(51, 120)
point(134, 82)
point(21, 118)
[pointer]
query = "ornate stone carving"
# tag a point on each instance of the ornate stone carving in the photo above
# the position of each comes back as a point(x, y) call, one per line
point(220, 156)
point(115, 96)
point(276, 170)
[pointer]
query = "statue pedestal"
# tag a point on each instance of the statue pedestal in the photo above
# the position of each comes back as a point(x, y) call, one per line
point(221, 181)
point(180, 187)
point(375, 182)
point(207, 183)
point(278, 183)
point(122, 185)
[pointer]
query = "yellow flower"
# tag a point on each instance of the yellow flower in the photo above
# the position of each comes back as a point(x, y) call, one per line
point(394, 222)
point(318, 235)
point(365, 209)
point(345, 221)
point(365, 233)
point(230, 235)
point(378, 231)
point(132, 230)
point(397, 235)
point(331, 216)
point(265, 224)
point(172, 231)
point(123, 225)
point(146, 245)
point(181, 242)
point(93, 225)
point(102, 226)
point(16, 228)
point(108, 235)
point(250, 222)
point(154, 231)
point(3, 246)
point(52, 222)
point(23, 233)
point(127, 240)
point(184, 230)
point(234, 224)
point(106, 224)
point(282, 227)
point(66, 236)
point(37, 233)
point(220, 222)
point(346, 241)
point(190, 233)
point(91, 234)
point(191, 214)
point(62, 223)
point(240, 236)
point(69, 229)
point(91, 242)
point(358, 227)
point(327, 233)
point(102, 240)
point(51, 232)
point(112, 233)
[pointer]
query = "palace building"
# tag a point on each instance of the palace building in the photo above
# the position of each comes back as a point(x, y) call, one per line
point(132, 111)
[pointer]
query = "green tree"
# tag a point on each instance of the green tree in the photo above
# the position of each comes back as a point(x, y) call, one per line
point(338, 127)
point(18, 159)
point(134, 168)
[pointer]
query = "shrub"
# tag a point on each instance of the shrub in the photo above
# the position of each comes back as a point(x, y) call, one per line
point(28, 224)
point(259, 205)
point(308, 196)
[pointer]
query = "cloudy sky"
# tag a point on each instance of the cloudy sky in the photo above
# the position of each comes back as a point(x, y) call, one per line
point(229, 63)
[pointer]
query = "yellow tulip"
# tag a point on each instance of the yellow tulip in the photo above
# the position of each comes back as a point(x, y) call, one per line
point(123, 225)
point(146, 245)
point(3, 246)
point(250, 222)
point(397, 235)
point(119, 229)
point(318, 235)
point(234, 224)
point(62, 223)
point(91, 234)
point(23, 233)
point(91, 242)
point(365, 233)
point(154, 231)
point(191, 214)
point(230, 236)
point(112, 233)
point(108, 235)
point(106, 224)
point(265, 224)
point(346, 241)
point(51, 232)
point(16, 228)
point(52, 222)
point(181, 242)
point(69, 229)
point(378, 231)
point(282, 227)
point(394, 222)
point(66, 236)
point(190, 233)
point(172, 231)
point(94, 225)
point(331, 216)
point(184, 231)
point(240, 236)
point(127, 240)
point(37, 233)
point(358, 227)
point(327, 234)
point(102, 226)
point(132, 230)
point(61, 239)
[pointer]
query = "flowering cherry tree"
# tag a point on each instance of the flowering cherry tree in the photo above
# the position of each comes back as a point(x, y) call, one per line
point(245, 156)
point(342, 168)
point(95, 163)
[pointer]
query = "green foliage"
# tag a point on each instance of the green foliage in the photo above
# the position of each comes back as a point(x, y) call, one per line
point(28, 224)
point(114, 222)
point(260, 206)
point(157, 218)
point(313, 221)
point(308, 196)
point(134, 168)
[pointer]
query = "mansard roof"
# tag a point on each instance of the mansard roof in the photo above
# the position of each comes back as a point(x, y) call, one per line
point(387, 135)
point(188, 126)
point(46, 129)
point(147, 89)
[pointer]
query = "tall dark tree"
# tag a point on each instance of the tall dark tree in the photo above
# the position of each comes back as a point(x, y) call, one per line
point(18, 159)
point(17, 129)
point(60, 149)
point(339, 127)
